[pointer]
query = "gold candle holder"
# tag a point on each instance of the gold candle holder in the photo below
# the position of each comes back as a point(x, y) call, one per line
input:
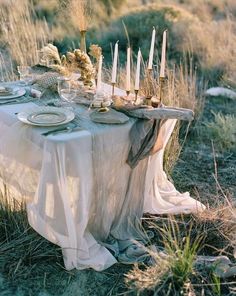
point(83, 40)
point(149, 86)
point(149, 71)
point(136, 96)
point(161, 88)
point(148, 100)
point(113, 89)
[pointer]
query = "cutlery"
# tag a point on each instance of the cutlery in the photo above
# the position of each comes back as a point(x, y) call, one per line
point(8, 102)
point(13, 101)
point(67, 129)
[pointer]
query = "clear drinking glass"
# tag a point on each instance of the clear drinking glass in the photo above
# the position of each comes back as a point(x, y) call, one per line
point(65, 89)
point(25, 75)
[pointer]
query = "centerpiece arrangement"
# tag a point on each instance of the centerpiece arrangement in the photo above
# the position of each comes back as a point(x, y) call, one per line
point(89, 74)
point(83, 71)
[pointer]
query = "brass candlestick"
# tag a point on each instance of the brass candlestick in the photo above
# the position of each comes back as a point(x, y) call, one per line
point(83, 40)
point(136, 96)
point(149, 87)
point(149, 71)
point(113, 89)
point(148, 100)
point(161, 87)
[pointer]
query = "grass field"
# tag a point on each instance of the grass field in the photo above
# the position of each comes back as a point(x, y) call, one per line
point(201, 53)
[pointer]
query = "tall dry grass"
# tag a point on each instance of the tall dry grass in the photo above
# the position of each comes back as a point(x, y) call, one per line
point(182, 88)
point(214, 45)
point(7, 72)
point(27, 260)
point(79, 12)
point(23, 34)
point(173, 268)
point(176, 269)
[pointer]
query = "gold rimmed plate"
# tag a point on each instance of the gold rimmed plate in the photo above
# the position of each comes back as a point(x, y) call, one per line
point(46, 116)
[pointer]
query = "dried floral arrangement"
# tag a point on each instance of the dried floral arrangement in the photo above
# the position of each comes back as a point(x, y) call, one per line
point(95, 51)
point(79, 60)
point(71, 62)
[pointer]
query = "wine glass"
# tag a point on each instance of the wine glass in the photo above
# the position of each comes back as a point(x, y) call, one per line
point(25, 75)
point(65, 89)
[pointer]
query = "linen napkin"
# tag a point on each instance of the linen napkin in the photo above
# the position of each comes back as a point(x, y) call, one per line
point(145, 139)
point(144, 134)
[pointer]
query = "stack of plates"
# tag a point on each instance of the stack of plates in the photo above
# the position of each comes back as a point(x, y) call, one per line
point(10, 93)
point(46, 116)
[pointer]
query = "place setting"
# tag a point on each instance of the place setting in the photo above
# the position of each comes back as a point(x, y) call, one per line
point(11, 94)
point(58, 116)
point(58, 119)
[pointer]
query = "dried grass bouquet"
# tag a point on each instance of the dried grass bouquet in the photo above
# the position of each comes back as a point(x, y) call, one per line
point(71, 62)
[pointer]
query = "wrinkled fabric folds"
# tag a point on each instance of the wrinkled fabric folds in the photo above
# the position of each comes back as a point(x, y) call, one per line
point(79, 190)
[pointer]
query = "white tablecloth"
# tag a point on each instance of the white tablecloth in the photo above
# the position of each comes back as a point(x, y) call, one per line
point(78, 188)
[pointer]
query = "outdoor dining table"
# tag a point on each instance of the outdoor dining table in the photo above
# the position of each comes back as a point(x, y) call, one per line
point(79, 190)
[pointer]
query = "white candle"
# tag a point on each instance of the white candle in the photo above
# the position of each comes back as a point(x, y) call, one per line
point(128, 70)
point(163, 56)
point(114, 67)
point(99, 75)
point(137, 76)
point(151, 52)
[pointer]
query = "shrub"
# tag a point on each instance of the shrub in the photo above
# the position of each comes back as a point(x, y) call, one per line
point(213, 43)
point(112, 4)
point(139, 25)
point(222, 131)
point(172, 269)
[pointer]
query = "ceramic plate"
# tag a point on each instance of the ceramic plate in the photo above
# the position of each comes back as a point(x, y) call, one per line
point(46, 116)
point(11, 93)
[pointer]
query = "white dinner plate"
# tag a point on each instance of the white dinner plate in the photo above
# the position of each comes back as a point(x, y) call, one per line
point(46, 116)
point(15, 92)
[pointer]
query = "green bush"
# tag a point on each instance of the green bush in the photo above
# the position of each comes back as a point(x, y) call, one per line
point(222, 131)
point(139, 26)
point(110, 4)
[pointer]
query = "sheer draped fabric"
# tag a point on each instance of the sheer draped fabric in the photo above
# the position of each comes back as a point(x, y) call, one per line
point(80, 192)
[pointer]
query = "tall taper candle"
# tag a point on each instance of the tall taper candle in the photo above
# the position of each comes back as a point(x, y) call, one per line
point(151, 52)
point(114, 67)
point(137, 76)
point(128, 70)
point(163, 56)
point(99, 75)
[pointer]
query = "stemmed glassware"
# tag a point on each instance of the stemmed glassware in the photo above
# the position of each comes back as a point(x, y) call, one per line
point(66, 90)
point(25, 75)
